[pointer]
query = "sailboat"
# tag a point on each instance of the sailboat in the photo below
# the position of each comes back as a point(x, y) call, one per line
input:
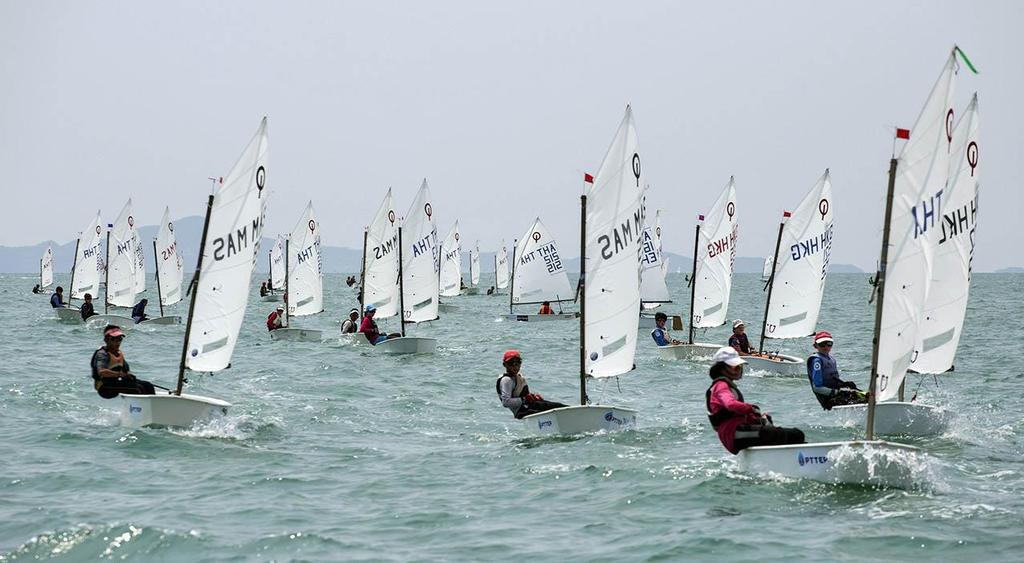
point(538, 275)
point(275, 258)
point(714, 253)
point(46, 269)
point(796, 281)
point(227, 256)
point(450, 273)
point(766, 269)
point(120, 274)
point(85, 276)
point(916, 179)
point(653, 269)
point(169, 276)
point(417, 276)
point(501, 274)
point(303, 282)
point(474, 270)
point(611, 216)
point(918, 182)
point(380, 271)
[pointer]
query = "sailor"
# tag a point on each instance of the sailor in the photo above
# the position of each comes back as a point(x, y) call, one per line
point(515, 393)
point(110, 373)
point(57, 299)
point(36, 289)
point(370, 330)
point(276, 319)
point(490, 291)
point(823, 373)
point(545, 309)
point(139, 311)
point(660, 333)
point(87, 308)
point(739, 340)
point(350, 281)
point(263, 289)
point(351, 324)
point(740, 425)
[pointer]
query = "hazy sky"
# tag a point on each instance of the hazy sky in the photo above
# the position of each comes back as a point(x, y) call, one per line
point(501, 106)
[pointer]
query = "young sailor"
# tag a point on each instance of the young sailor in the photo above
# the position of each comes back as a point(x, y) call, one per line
point(660, 333)
point(515, 393)
point(263, 289)
point(110, 373)
point(370, 330)
point(276, 319)
point(739, 340)
point(57, 299)
point(87, 309)
point(740, 425)
point(351, 324)
point(823, 373)
point(139, 311)
point(545, 309)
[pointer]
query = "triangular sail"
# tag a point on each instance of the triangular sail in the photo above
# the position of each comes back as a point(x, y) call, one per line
point(277, 264)
point(305, 281)
point(229, 257)
point(474, 265)
point(501, 268)
point(539, 273)
point(87, 268)
point(804, 252)
point(766, 269)
point(140, 257)
point(420, 260)
point(614, 229)
point(916, 211)
point(380, 265)
point(171, 265)
point(953, 249)
point(451, 263)
point(121, 259)
point(46, 268)
point(716, 255)
point(653, 288)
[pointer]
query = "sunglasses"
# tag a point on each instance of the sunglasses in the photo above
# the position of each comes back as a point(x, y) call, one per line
point(515, 362)
point(824, 345)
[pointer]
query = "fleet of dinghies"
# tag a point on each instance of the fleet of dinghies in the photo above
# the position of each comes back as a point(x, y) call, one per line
point(920, 289)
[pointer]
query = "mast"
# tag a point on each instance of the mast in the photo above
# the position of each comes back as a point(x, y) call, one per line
point(270, 267)
point(771, 285)
point(159, 294)
point(287, 306)
point(583, 299)
point(401, 285)
point(192, 303)
point(693, 278)
point(41, 271)
point(512, 277)
point(106, 273)
point(869, 432)
point(362, 276)
point(495, 272)
point(74, 263)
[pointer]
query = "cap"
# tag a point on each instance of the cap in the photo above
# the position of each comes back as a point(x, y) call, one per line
point(353, 310)
point(370, 308)
point(280, 307)
point(737, 323)
point(509, 354)
point(659, 316)
point(823, 336)
point(729, 356)
point(112, 332)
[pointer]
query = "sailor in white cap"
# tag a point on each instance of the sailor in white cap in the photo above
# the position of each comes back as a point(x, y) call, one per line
point(739, 340)
point(351, 324)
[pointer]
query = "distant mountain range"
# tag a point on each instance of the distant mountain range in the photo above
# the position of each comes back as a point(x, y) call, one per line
point(188, 230)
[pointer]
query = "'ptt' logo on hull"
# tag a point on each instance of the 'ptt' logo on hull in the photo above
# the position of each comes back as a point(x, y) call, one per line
point(134, 409)
point(811, 460)
point(542, 423)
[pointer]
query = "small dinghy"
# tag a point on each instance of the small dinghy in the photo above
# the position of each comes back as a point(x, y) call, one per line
point(120, 283)
point(85, 275)
point(275, 257)
point(450, 273)
point(168, 277)
point(653, 269)
point(46, 271)
point(501, 273)
point(537, 276)
point(863, 462)
point(303, 280)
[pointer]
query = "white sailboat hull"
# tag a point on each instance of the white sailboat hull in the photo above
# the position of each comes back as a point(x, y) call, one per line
point(780, 364)
point(674, 322)
point(271, 297)
point(687, 351)
point(580, 419)
point(169, 410)
point(165, 320)
point(297, 334)
point(408, 345)
point(876, 462)
point(540, 318)
point(68, 315)
point(100, 321)
point(897, 418)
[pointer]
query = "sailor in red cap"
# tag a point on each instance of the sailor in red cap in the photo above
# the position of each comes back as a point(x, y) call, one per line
point(823, 373)
point(515, 393)
point(110, 373)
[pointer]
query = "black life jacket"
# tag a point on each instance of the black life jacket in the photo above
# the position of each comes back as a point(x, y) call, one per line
point(96, 372)
point(724, 414)
point(522, 393)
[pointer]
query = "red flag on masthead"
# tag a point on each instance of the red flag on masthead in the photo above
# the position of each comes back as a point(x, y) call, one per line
point(787, 214)
point(902, 133)
point(588, 178)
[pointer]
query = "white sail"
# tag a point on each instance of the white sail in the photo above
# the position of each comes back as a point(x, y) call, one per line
point(474, 265)
point(538, 271)
point(380, 264)
point(501, 268)
point(451, 263)
point(420, 260)
point(277, 264)
point(140, 256)
point(716, 257)
point(614, 228)
point(766, 269)
point(653, 288)
point(121, 259)
point(229, 257)
point(921, 173)
point(804, 253)
point(171, 265)
point(305, 267)
point(87, 269)
point(46, 268)
point(953, 249)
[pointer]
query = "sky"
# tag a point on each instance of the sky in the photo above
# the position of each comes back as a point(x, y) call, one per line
point(501, 106)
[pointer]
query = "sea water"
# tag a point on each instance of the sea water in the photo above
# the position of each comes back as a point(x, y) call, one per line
point(333, 451)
